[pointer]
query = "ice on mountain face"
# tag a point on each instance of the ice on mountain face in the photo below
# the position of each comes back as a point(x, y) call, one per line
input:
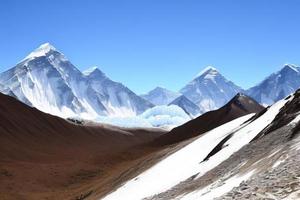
point(207, 69)
point(188, 106)
point(160, 116)
point(41, 51)
point(45, 79)
point(210, 90)
point(160, 96)
point(116, 98)
point(276, 86)
point(165, 116)
point(92, 70)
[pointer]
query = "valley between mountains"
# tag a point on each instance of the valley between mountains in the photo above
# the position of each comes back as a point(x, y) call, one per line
point(68, 134)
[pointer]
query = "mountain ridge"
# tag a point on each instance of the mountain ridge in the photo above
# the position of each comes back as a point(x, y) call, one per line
point(47, 80)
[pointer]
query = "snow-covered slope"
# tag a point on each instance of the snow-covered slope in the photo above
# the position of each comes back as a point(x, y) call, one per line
point(188, 106)
point(276, 86)
point(198, 157)
point(47, 80)
point(161, 96)
point(210, 90)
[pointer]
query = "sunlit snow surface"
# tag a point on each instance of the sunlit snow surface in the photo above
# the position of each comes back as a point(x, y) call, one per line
point(159, 116)
point(212, 191)
point(187, 162)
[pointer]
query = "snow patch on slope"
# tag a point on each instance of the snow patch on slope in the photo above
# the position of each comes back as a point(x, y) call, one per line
point(176, 167)
point(214, 190)
point(188, 161)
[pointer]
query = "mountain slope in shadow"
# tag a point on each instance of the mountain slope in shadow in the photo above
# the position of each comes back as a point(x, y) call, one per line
point(238, 106)
point(43, 156)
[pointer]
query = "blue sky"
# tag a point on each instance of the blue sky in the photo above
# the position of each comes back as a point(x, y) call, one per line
point(145, 43)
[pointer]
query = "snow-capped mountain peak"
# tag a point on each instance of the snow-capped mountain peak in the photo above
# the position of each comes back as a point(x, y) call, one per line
point(94, 71)
point(41, 51)
point(287, 67)
point(160, 96)
point(210, 89)
point(46, 80)
point(276, 86)
point(187, 105)
point(208, 70)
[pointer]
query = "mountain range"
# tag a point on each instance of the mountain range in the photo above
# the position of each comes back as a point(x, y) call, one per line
point(48, 81)
point(252, 156)
point(210, 90)
point(240, 151)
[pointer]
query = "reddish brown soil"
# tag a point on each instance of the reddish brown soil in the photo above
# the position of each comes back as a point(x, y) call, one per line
point(46, 157)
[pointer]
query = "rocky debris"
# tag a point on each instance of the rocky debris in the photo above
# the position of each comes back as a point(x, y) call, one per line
point(274, 159)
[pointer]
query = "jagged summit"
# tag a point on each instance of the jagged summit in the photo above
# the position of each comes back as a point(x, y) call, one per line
point(49, 82)
point(160, 96)
point(187, 105)
point(41, 51)
point(94, 73)
point(290, 67)
point(159, 88)
point(244, 102)
point(276, 86)
point(208, 70)
point(92, 70)
point(210, 90)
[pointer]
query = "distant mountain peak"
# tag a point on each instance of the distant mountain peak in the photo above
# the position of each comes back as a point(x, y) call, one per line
point(91, 70)
point(242, 99)
point(187, 105)
point(210, 89)
point(94, 72)
point(276, 86)
point(160, 96)
point(160, 88)
point(290, 67)
point(47, 46)
point(208, 70)
point(41, 51)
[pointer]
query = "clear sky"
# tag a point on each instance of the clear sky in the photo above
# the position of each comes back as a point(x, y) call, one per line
point(146, 43)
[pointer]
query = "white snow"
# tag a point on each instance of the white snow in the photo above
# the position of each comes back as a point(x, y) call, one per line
point(176, 167)
point(218, 188)
point(277, 163)
point(276, 86)
point(40, 51)
point(295, 121)
point(90, 70)
point(160, 116)
point(187, 161)
point(160, 96)
point(210, 90)
point(292, 66)
point(53, 85)
point(206, 69)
